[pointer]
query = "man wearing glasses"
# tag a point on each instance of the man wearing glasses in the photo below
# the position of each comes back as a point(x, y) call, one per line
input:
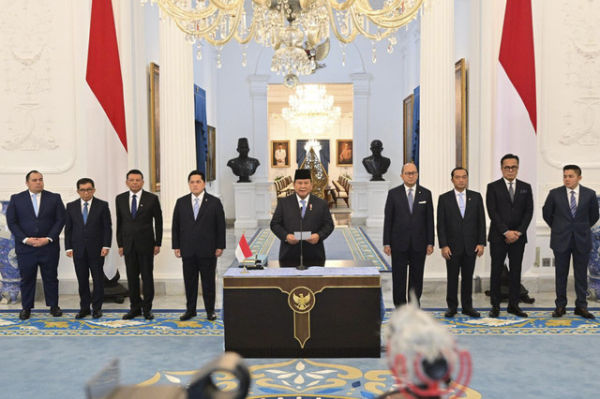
point(408, 233)
point(88, 235)
point(509, 204)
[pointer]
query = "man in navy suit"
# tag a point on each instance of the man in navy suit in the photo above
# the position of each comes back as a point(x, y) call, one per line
point(139, 236)
point(36, 217)
point(461, 234)
point(408, 233)
point(302, 212)
point(570, 211)
point(510, 207)
point(88, 235)
point(198, 238)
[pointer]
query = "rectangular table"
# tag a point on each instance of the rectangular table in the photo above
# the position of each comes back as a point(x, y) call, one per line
point(319, 312)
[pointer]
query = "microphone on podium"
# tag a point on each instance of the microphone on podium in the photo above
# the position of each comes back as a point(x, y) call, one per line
point(301, 265)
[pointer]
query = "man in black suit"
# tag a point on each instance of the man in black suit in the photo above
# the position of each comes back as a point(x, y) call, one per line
point(302, 212)
point(461, 234)
point(88, 235)
point(36, 217)
point(139, 236)
point(198, 237)
point(408, 233)
point(509, 204)
point(570, 211)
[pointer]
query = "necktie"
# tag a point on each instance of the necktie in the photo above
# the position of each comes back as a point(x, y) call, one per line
point(133, 205)
point(35, 204)
point(411, 199)
point(461, 204)
point(511, 191)
point(573, 204)
point(85, 212)
point(303, 211)
point(196, 207)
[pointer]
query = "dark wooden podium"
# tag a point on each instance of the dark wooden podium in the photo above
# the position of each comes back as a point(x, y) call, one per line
point(319, 312)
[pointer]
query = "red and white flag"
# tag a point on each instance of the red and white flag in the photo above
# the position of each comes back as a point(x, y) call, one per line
point(105, 117)
point(516, 111)
point(243, 250)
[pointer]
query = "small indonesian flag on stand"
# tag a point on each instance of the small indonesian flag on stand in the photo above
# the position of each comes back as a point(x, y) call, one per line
point(243, 250)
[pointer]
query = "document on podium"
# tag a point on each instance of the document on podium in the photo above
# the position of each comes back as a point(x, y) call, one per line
point(302, 235)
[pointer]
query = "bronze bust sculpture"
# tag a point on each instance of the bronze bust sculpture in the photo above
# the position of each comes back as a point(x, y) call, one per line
point(243, 166)
point(376, 164)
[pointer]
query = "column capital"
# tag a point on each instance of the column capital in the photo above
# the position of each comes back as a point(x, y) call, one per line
point(362, 83)
point(258, 85)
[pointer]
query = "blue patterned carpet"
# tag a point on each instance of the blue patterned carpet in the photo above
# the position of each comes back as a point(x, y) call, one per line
point(167, 323)
point(345, 243)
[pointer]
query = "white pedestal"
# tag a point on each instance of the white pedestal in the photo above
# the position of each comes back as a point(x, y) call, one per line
point(377, 194)
point(359, 200)
point(252, 204)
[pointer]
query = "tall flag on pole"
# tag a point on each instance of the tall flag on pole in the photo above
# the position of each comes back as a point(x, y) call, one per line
point(516, 110)
point(105, 118)
point(104, 66)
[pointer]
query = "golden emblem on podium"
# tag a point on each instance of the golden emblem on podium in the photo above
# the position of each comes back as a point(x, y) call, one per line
point(301, 300)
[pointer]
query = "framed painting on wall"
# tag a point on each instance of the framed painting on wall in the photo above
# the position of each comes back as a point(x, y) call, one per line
point(343, 152)
point(460, 91)
point(154, 127)
point(407, 112)
point(280, 153)
point(211, 154)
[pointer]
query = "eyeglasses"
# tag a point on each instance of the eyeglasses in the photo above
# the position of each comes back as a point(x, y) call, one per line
point(510, 167)
point(411, 173)
point(86, 190)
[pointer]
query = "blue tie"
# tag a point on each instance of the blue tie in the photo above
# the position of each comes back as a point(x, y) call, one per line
point(133, 205)
point(461, 204)
point(196, 207)
point(411, 199)
point(303, 203)
point(35, 204)
point(85, 212)
point(573, 205)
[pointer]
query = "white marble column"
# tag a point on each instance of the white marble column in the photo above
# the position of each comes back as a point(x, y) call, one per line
point(259, 142)
point(437, 147)
point(362, 91)
point(177, 134)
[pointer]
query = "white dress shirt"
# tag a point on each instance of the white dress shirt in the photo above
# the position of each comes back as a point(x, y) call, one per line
point(138, 197)
point(576, 189)
point(38, 198)
point(300, 199)
point(200, 198)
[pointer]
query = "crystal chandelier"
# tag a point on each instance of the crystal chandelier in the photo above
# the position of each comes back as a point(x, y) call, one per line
point(298, 30)
point(311, 110)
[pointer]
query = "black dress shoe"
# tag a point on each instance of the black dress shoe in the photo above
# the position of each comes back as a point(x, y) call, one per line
point(96, 314)
point(148, 315)
point(471, 312)
point(495, 312)
point(55, 311)
point(527, 299)
point(82, 313)
point(211, 316)
point(559, 311)
point(131, 314)
point(450, 313)
point(24, 314)
point(516, 311)
point(583, 312)
point(187, 315)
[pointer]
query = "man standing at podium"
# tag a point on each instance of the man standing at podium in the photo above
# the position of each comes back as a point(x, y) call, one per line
point(302, 212)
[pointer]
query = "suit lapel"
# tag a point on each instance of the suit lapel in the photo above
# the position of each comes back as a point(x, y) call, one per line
point(92, 209)
point(125, 205)
point(455, 207)
point(565, 200)
point(42, 205)
point(404, 199)
point(203, 207)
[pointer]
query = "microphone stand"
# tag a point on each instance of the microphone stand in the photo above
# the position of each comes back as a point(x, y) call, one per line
point(301, 265)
